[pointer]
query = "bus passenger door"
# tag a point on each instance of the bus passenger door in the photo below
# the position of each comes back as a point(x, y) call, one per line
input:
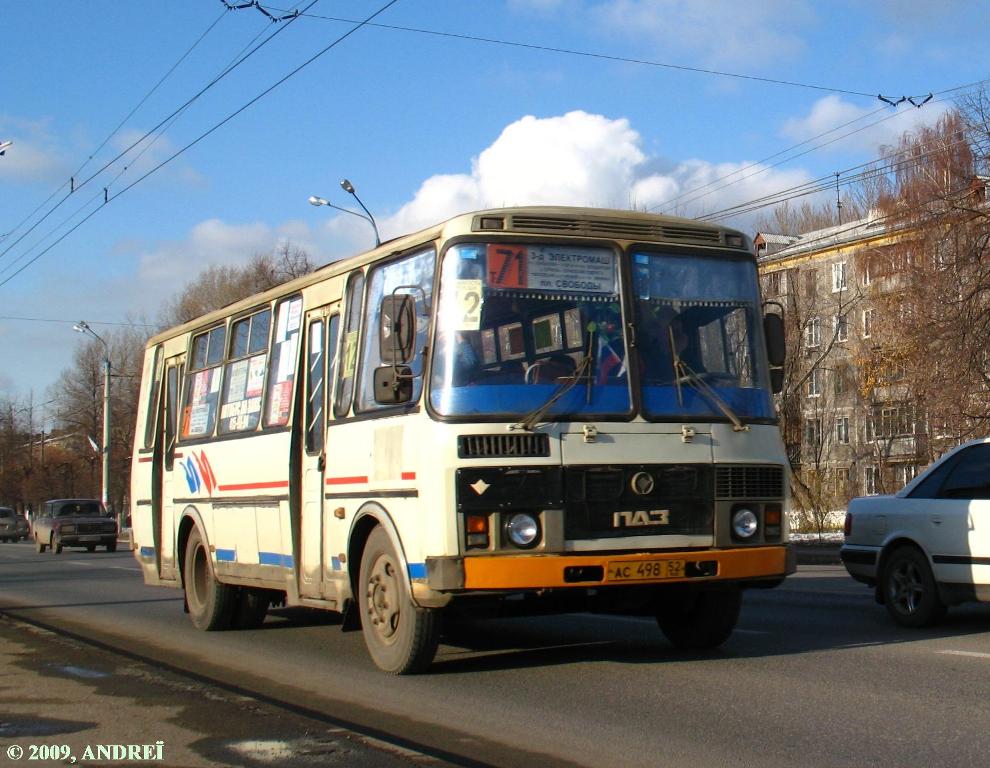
point(321, 345)
point(164, 518)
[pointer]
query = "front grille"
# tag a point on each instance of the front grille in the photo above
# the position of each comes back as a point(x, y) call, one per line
point(749, 482)
point(624, 228)
point(602, 485)
point(494, 446)
point(91, 528)
point(603, 501)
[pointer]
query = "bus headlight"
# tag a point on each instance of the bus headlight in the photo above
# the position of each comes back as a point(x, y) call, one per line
point(744, 523)
point(523, 530)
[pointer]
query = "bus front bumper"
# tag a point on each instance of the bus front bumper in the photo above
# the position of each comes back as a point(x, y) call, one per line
point(547, 571)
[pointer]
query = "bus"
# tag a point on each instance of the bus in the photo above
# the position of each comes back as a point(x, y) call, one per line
point(537, 409)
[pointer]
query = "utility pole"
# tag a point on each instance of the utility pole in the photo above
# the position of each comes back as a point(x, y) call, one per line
point(83, 327)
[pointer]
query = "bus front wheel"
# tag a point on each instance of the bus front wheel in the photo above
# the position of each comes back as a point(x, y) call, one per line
point(211, 604)
point(699, 619)
point(401, 637)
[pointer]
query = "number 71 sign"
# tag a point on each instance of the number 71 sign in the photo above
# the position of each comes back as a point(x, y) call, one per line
point(507, 266)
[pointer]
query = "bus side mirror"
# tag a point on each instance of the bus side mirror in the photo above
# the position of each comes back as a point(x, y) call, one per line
point(393, 384)
point(773, 329)
point(397, 329)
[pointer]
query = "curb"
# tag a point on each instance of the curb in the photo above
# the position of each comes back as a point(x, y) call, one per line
point(817, 554)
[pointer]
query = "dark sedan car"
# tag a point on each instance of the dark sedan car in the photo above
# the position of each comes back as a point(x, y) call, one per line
point(74, 523)
point(12, 525)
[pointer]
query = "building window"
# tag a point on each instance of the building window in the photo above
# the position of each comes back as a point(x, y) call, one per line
point(842, 430)
point(867, 323)
point(813, 433)
point(815, 383)
point(773, 283)
point(905, 473)
point(840, 481)
point(870, 477)
point(841, 328)
point(839, 277)
point(841, 379)
point(813, 332)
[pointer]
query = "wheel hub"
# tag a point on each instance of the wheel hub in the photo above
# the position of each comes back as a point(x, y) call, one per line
point(382, 598)
point(907, 587)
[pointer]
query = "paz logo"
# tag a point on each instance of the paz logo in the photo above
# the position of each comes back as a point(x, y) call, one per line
point(199, 473)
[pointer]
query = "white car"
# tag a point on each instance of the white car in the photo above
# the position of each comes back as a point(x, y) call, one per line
point(928, 546)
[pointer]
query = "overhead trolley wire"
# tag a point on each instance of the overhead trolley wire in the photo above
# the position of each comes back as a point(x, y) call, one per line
point(109, 136)
point(194, 142)
point(178, 111)
point(589, 54)
point(826, 183)
point(759, 163)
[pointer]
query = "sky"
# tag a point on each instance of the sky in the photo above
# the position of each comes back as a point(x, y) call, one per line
point(433, 108)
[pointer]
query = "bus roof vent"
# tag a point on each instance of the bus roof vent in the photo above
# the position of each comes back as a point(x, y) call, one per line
point(749, 482)
point(494, 446)
point(603, 226)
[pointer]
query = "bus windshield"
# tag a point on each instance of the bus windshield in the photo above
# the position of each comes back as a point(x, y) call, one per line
point(537, 329)
point(699, 337)
point(517, 324)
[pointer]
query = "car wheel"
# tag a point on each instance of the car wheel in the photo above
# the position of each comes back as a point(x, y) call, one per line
point(56, 544)
point(909, 589)
point(401, 637)
point(112, 546)
point(210, 603)
point(90, 547)
point(38, 546)
point(699, 619)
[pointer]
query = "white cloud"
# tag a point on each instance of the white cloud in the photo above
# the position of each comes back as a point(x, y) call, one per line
point(869, 129)
point(714, 32)
point(34, 155)
point(585, 160)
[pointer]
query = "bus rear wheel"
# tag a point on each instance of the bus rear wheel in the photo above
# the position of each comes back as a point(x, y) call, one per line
point(211, 604)
point(401, 637)
point(699, 619)
point(251, 608)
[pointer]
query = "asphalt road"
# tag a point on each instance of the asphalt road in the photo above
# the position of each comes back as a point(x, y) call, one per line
point(815, 675)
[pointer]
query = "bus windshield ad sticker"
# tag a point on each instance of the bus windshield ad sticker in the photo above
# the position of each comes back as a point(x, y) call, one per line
point(551, 268)
point(468, 305)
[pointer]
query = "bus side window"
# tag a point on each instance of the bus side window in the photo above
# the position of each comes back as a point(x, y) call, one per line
point(349, 346)
point(333, 339)
point(154, 391)
point(203, 384)
point(413, 276)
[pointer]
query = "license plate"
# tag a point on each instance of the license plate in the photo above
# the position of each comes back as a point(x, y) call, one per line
point(644, 570)
point(90, 537)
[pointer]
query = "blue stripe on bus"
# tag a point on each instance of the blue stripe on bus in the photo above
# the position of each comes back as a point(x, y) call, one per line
point(147, 551)
point(226, 555)
point(275, 558)
point(417, 570)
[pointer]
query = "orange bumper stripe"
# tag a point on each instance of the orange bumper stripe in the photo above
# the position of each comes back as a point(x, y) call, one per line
point(545, 571)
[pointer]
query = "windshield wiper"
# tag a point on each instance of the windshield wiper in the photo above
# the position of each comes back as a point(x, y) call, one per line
point(683, 373)
point(584, 368)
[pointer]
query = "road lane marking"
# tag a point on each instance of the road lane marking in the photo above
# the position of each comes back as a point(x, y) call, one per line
point(973, 654)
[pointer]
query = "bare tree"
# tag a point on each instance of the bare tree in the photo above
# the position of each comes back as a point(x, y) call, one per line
point(218, 286)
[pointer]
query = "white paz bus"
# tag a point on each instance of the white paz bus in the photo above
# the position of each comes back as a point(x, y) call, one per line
point(543, 408)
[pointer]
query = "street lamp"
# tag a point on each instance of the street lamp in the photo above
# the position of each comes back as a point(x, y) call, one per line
point(83, 327)
point(349, 188)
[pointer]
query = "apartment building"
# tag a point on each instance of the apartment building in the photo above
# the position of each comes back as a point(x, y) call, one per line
point(851, 427)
